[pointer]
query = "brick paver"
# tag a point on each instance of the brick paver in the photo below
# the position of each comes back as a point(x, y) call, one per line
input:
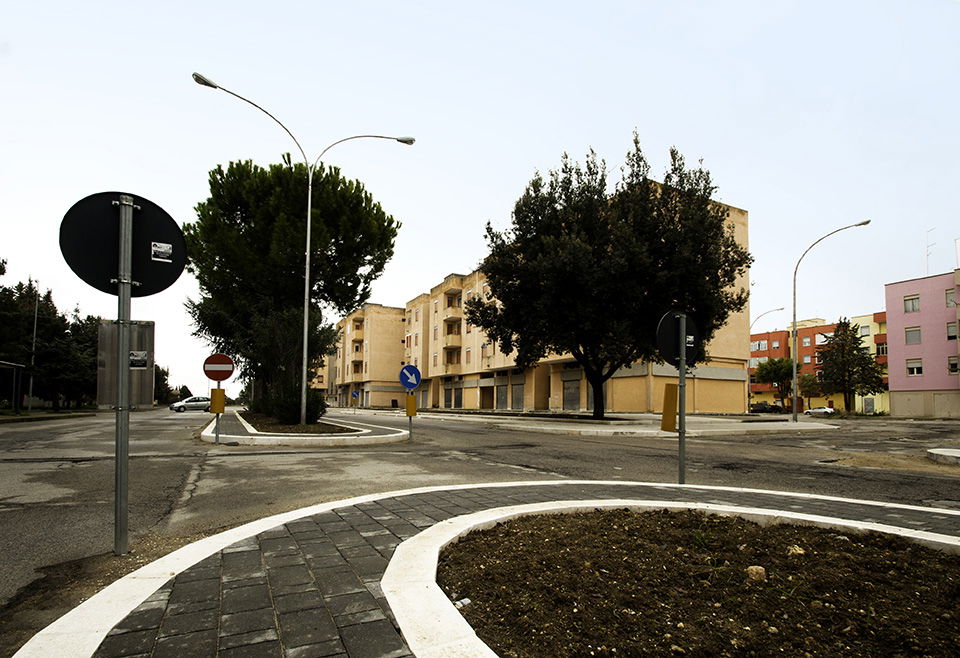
point(311, 587)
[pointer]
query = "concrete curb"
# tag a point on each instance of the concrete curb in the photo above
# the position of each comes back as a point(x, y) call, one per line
point(358, 434)
point(78, 633)
point(431, 624)
point(945, 455)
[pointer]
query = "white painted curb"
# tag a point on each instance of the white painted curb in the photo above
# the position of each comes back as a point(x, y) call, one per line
point(432, 626)
point(358, 434)
point(78, 633)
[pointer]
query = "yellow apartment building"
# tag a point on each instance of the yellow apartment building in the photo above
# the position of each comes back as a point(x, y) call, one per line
point(873, 336)
point(364, 371)
point(463, 369)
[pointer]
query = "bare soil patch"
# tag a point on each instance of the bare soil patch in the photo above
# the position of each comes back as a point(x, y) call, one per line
point(265, 423)
point(677, 583)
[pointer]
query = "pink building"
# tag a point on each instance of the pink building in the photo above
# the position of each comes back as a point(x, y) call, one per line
point(923, 354)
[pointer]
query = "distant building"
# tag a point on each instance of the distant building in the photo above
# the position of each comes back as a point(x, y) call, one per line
point(763, 347)
point(873, 336)
point(923, 355)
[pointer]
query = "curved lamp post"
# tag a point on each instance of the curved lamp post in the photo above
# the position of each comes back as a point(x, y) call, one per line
point(750, 332)
point(206, 82)
point(794, 327)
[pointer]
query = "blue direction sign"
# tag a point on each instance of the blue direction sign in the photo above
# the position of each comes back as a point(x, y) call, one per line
point(410, 377)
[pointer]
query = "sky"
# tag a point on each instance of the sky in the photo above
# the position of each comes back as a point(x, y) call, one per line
point(809, 115)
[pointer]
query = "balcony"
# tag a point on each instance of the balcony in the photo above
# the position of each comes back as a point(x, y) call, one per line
point(881, 359)
point(452, 341)
point(451, 368)
point(879, 338)
point(452, 313)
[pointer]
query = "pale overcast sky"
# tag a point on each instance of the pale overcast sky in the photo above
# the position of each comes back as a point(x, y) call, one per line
point(810, 115)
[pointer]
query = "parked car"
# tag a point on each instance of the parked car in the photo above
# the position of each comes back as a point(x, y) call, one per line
point(764, 407)
point(820, 411)
point(195, 403)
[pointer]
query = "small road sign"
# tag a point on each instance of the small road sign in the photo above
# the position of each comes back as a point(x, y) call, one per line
point(218, 367)
point(410, 377)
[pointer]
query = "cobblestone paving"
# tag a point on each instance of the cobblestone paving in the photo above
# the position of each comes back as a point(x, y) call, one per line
point(311, 587)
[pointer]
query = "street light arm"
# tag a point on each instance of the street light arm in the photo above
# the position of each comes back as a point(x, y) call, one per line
point(793, 329)
point(207, 82)
point(773, 310)
point(403, 140)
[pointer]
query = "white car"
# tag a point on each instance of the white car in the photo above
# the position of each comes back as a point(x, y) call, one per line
point(196, 403)
point(820, 411)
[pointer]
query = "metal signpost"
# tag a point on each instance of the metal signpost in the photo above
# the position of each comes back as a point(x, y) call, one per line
point(410, 379)
point(217, 367)
point(675, 330)
point(108, 250)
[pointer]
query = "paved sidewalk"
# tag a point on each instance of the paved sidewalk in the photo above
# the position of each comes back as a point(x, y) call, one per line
point(310, 585)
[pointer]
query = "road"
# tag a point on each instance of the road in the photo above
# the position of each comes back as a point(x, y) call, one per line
point(56, 482)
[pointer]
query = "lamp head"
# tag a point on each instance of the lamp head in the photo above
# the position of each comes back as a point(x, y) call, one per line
point(863, 223)
point(403, 140)
point(206, 82)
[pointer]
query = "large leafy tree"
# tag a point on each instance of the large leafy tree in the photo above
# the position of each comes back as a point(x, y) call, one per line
point(247, 252)
point(778, 372)
point(846, 365)
point(588, 272)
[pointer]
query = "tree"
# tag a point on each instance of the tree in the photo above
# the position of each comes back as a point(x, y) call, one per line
point(808, 385)
point(185, 392)
point(161, 385)
point(846, 365)
point(246, 250)
point(590, 273)
point(778, 372)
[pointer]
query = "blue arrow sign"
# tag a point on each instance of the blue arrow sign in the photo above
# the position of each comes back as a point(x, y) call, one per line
point(355, 394)
point(410, 377)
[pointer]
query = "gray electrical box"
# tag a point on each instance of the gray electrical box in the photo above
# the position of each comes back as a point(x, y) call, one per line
point(141, 365)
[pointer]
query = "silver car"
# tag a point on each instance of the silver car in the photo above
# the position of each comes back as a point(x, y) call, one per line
point(820, 411)
point(195, 403)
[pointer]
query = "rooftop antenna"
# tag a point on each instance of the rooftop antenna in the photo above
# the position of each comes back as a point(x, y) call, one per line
point(926, 251)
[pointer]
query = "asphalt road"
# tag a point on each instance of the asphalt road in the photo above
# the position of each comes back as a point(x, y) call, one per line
point(56, 477)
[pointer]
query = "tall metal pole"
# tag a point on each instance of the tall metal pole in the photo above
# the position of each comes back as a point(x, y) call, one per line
point(124, 283)
point(682, 398)
point(33, 346)
point(793, 354)
point(206, 82)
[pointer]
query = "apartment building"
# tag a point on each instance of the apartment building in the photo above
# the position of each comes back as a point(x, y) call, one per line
point(923, 355)
point(763, 347)
point(365, 368)
point(463, 369)
point(873, 336)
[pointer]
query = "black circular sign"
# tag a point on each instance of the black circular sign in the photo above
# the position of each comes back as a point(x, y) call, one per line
point(668, 339)
point(90, 243)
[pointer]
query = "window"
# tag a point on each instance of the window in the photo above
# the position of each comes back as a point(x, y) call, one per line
point(436, 331)
point(806, 341)
point(416, 315)
point(951, 331)
point(822, 338)
point(953, 365)
point(358, 325)
point(775, 344)
point(912, 335)
point(434, 358)
point(416, 340)
point(951, 295)
point(409, 342)
point(806, 358)
point(754, 345)
point(469, 327)
point(865, 330)
point(468, 355)
point(763, 344)
point(881, 349)
point(914, 367)
point(911, 303)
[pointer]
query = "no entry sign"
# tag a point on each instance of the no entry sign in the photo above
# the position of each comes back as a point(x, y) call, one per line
point(218, 367)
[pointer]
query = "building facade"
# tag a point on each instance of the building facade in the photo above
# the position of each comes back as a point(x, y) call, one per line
point(463, 369)
point(873, 336)
point(763, 347)
point(923, 357)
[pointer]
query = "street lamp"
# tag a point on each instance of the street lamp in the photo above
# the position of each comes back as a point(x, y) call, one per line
point(750, 333)
point(794, 328)
point(206, 82)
